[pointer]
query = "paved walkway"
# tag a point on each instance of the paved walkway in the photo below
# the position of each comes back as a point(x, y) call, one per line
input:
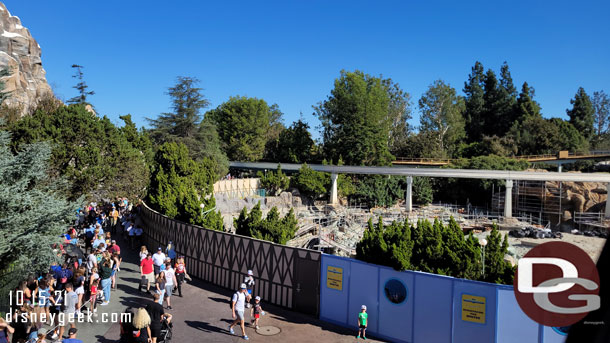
point(203, 314)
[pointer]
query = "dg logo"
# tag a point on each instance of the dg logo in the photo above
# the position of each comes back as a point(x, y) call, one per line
point(557, 284)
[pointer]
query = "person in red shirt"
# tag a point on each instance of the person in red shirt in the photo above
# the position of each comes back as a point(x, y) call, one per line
point(147, 272)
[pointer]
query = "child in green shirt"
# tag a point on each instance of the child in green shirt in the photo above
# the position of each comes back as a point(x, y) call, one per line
point(363, 319)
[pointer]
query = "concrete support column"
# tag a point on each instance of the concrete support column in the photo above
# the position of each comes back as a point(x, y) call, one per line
point(607, 201)
point(409, 195)
point(559, 168)
point(333, 189)
point(508, 200)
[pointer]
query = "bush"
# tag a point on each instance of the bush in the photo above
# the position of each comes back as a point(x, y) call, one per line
point(272, 228)
point(422, 190)
point(379, 190)
point(100, 160)
point(274, 182)
point(310, 182)
point(180, 185)
point(435, 248)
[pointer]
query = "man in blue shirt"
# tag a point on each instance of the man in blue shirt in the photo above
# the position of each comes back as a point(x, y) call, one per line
point(72, 337)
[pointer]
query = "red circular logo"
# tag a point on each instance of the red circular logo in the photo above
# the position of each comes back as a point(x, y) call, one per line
point(557, 284)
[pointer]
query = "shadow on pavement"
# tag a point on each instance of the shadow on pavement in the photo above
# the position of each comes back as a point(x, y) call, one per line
point(205, 327)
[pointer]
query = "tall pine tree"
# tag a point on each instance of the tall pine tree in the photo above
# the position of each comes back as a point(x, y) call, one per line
point(474, 103)
point(81, 87)
point(526, 107)
point(601, 105)
point(582, 114)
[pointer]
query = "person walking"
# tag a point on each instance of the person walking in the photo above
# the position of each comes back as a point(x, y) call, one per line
point(70, 303)
point(114, 216)
point(158, 259)
point(141, 324)
point(249, 281)
point(146, 272)
point(157, 315)
point(170, 282)
point(238, 302)
point(106, 283)
point(181, 274)
point(256, 311)
point(160, 286)
point(363, 319)
point(171, 251)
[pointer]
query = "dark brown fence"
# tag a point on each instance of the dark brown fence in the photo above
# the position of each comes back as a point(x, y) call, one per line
point(285, 276)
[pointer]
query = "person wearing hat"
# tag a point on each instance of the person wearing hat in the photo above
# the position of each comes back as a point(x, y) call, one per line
point(249, 281)
point(72, 337)
point(238, 307)
point(256, 311)
point(363, 319)
point(158, 260)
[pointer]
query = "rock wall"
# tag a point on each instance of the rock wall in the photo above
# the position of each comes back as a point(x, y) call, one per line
point(20, 52)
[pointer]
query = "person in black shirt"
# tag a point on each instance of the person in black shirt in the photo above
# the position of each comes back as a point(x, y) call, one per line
point(157, 315)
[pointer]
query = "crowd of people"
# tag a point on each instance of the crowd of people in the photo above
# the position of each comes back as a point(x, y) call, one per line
point(46, 304)
point(87, 275)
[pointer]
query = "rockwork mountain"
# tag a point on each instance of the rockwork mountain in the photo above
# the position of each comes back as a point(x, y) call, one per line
point(20, 53)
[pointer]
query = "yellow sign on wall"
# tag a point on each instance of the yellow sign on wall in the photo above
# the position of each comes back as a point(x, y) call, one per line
point(473, 308)
point(334, 278)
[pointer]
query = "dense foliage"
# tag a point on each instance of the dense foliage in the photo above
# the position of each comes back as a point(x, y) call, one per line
point(184, 124)
point(274, 182)
point(294, 145)
point(379, 190)
point(473, 190)
point(273, 228)
point(33, 210)
point(358, 117)
point(180, 186)
point(244, 127)
point(435, 248)
point(99, 159)
point(310, 182)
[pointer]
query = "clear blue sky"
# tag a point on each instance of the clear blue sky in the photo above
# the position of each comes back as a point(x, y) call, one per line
point(289, 52)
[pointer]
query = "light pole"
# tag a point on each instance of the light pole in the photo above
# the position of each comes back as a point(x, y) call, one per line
point(483, 243)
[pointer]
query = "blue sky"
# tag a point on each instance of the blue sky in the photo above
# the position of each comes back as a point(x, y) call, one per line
point(289, 52)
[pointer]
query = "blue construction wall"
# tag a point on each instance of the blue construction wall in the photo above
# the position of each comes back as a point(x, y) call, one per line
point(432, 310)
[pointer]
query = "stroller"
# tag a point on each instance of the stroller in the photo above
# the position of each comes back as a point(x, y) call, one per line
point(166, 332)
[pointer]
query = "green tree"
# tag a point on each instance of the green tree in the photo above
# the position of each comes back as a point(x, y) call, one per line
point(475, 103)
point(310, 182)
point(274, 182)
point(496, 268)
point(379, 190)
point(294, 145)
point(356, 120)
point(441, 117)
point(180, 186)
point(422, 190)
point(81, 87)
point(526, 107)
point(390, 245)
point(273, 228)
point(582, 114)
point(243, 126)
point(475, 191)
point(33, 210)
point(100, 160)
point(399, 114)
point(601, 106)
point(536, 135)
